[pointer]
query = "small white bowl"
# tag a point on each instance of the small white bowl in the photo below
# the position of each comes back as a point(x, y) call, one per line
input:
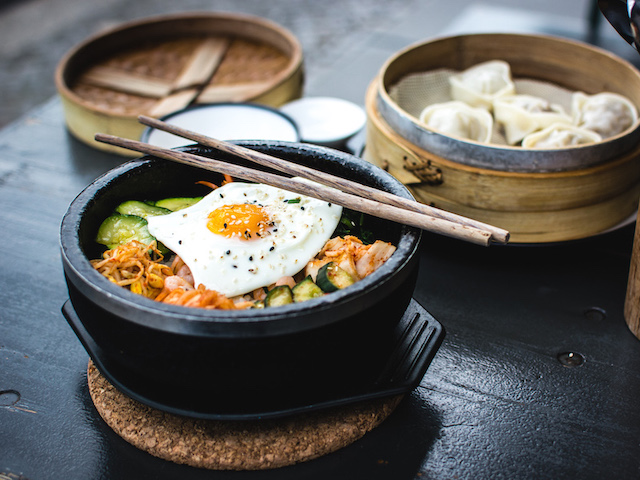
point(326, 121)
point(226, 121)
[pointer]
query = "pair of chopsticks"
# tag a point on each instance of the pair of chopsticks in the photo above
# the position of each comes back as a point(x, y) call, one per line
point(317, 184)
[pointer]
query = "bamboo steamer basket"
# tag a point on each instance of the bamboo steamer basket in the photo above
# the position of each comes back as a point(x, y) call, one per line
point(540, 196)
point(159, 65)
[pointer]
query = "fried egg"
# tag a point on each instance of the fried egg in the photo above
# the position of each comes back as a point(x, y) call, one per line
point(244, 236)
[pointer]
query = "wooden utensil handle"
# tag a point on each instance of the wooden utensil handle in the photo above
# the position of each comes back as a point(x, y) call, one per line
point(632, 300)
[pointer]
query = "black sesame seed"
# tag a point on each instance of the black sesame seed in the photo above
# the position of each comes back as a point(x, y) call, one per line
point(272, 248)
point(234, 266)
point(179, 242)
point(301, 208)
point(251, 258)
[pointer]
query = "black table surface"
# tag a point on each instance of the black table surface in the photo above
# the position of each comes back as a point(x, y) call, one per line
point(538, 375)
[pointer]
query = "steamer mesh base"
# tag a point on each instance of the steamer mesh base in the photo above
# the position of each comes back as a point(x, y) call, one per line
point(413, 93)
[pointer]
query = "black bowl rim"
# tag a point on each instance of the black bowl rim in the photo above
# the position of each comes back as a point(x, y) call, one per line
point(236, 323)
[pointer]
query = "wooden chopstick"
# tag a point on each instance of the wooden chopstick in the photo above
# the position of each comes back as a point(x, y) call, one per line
point(498, 235)
point(311, 189)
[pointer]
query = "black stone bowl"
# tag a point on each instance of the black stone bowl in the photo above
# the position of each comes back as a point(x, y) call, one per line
point(196, 360)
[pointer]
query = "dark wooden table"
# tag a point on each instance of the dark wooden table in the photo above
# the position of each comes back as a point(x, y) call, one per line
point(538, 375)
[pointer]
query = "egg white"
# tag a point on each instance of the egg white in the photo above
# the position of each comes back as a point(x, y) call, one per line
point(234, 266)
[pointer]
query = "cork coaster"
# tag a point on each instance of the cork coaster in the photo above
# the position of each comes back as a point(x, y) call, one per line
point(234, 445)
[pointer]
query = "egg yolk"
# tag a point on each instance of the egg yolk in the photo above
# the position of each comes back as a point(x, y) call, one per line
point(247, 221)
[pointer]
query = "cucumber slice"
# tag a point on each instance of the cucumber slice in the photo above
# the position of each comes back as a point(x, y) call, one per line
point(177, 203)
point(120, 229)
point(306, 290)
point(280, 295)
point(331, 278)
point(140, 209)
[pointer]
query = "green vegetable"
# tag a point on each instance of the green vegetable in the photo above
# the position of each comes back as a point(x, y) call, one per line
point(177, 203)
point(331, 278)
point(140, 209)
point(129, 222)
point(353, 223)
point(306, 290)
point(280, 295)
point(120, 229)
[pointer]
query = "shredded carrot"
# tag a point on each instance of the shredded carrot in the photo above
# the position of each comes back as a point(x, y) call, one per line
point(140, 268)
point(137, 266)
point(212, 186)
point(199, 297)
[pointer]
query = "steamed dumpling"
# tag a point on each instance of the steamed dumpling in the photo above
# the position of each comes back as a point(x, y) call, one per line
point(458, 119)
point(560, 136)
point(481, 84)
point(605, 113)
point(523, 114)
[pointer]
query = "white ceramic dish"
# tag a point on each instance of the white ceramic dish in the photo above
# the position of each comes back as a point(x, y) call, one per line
point(326, 121)
point(226, 121)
